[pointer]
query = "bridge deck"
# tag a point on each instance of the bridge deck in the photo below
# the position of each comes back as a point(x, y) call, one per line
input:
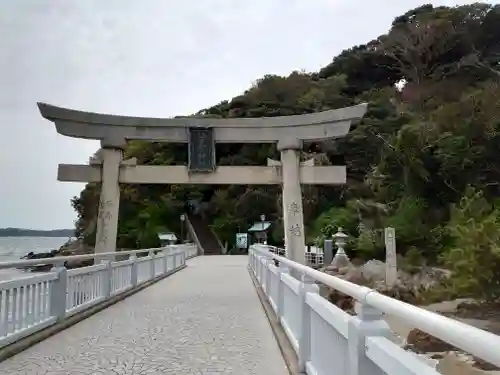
point(204, 320)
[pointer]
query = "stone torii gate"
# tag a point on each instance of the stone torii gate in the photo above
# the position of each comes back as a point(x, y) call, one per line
point(201, 134)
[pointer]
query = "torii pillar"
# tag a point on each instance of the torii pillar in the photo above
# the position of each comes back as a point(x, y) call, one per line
point(293, 214)
point(111, 158)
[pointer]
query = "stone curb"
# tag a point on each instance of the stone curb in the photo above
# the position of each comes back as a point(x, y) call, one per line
point(35, 338)
point(286, 348)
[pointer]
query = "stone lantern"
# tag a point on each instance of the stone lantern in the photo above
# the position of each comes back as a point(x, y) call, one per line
point(340, 260)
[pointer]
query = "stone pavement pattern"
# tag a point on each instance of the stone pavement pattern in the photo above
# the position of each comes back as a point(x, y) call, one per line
point(203, 320)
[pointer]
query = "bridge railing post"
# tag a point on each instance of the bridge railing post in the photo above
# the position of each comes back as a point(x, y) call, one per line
point(257, 267)
point(283, 270)
point(161, 254)
point(307, 285)
point(133, 271)
point(183, 257)
point(267, 269)
point(256, 263)
point(58, 292)
point(151, 254)
point(173, 255)
point(179, 258)
point(262, 272)
point(108, 277)
point(252, 261)
point(166, 251)
point(367, 322)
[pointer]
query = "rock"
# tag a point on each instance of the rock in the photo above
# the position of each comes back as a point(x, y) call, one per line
point(429, 277)
point(373, 270)
point(354, 275)
point(72, 247)
point(341, 300)
point(483, 365)
point(75, 247)
point(422, 342)
point(78, 263)
point(44, 267)
point(399, 292)
point(32, 255)
point(357, 262)
point(372, 274)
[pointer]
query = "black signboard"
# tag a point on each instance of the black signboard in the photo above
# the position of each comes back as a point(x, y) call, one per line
point(201, 150)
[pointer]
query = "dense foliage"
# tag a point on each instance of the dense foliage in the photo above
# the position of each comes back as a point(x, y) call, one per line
point(427, 146)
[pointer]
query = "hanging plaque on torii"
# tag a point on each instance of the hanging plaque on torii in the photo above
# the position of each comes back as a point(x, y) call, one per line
point(201, 150)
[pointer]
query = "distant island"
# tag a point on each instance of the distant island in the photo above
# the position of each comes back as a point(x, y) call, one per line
point(21, 232)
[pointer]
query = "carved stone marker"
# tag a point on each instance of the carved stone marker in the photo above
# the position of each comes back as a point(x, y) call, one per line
point(201, 150)
point(328, 252)
point(391, 268)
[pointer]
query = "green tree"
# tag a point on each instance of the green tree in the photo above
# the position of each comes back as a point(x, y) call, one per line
point(475, 253)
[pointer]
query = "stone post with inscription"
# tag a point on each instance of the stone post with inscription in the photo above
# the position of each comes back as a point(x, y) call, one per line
point(293, 216)
point(391, 267)
point(109, 202)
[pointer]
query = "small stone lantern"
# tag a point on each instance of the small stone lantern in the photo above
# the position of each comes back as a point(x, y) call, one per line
point(340, 260)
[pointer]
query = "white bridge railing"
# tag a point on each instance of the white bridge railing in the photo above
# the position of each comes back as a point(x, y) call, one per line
point(29, 304)
point(313, 258)
point(328, 340)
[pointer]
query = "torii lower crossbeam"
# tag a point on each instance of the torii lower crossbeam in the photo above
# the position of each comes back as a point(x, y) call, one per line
point(223, 175)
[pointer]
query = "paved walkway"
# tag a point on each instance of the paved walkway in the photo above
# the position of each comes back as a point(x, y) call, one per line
point(204, 320)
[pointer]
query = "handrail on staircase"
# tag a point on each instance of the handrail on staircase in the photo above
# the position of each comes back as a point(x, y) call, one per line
point(194, 235)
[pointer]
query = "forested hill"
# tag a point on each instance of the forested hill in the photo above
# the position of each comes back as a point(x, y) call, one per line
point(21, 232)
point(425, 160)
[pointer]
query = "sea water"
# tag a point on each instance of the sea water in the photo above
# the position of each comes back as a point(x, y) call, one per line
point(13, 248)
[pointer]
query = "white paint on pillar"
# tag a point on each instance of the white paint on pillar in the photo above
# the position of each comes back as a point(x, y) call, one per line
point(391, 268)
point(292, 200)
point(109, 202)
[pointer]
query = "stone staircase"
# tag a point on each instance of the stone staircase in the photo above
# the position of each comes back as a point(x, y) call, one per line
point(205, 236)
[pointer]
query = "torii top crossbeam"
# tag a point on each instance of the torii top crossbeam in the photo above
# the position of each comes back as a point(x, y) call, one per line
point(109, 128)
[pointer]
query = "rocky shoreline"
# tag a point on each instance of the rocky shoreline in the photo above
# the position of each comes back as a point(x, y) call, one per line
point(72, 247)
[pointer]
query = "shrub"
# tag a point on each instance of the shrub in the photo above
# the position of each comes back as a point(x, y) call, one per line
point(474, 255)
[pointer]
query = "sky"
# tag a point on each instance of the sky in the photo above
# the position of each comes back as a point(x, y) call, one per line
point(157, 58)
